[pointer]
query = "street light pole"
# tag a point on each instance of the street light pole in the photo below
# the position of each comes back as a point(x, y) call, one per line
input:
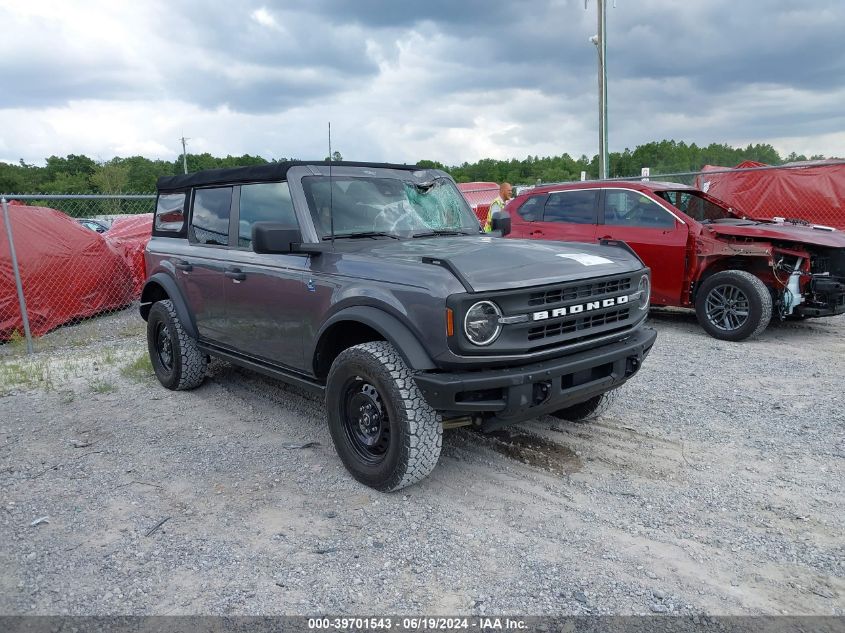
point(601, 47)
point(184, 155)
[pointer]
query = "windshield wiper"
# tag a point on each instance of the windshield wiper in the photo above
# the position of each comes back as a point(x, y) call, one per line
point(440, 232)
point(373, 234)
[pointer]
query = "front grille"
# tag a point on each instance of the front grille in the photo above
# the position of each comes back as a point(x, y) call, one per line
point(569, 326)
point(555, 316)
point(583, 291)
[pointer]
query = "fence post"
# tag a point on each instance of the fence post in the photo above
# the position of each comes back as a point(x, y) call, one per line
point(21, 301)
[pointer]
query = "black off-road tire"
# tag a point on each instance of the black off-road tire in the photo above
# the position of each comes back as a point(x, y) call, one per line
point(415, 430)
point(587, 410)
point(188, 363)
point(759, 301)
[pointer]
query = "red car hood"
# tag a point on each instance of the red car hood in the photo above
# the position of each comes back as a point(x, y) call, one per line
point(781, 232)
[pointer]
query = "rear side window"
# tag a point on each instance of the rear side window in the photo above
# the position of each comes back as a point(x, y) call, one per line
point(632, 208)
point(210, 216)
point(170, 213)
point(264, 202)
point(532, 209)
point(574, 207)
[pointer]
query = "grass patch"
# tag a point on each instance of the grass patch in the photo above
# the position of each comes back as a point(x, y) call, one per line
point(24, 374)
point(108, 357)
point(102, 386)
point(133, 330)
point(17, 342)
point(139, 369)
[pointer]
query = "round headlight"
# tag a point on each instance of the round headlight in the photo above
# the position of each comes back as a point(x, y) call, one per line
point(645, 292)
point(481, 323)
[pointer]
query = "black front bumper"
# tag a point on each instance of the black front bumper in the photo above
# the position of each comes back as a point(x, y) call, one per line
point(514, 394)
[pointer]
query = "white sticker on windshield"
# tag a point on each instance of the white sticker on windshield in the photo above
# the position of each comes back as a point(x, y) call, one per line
point(585, 259)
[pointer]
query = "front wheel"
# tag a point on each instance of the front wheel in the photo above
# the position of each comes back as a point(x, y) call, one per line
point(177, 361)
point(385, 432)
point(733, 305)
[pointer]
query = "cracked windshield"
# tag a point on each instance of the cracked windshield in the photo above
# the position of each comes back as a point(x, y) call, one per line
point(389, 207)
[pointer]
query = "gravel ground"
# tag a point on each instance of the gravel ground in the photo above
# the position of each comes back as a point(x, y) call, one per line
point(713, 484)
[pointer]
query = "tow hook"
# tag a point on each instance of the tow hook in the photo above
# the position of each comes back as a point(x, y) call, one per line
point(542, 392)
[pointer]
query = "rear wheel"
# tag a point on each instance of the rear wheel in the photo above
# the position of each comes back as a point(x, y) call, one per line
point(733, 305)
point(177, 362)
point(386, 434)
point(585, 411)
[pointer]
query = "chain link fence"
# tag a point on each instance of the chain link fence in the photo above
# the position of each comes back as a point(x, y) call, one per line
point(479, 198)
point(68, 258)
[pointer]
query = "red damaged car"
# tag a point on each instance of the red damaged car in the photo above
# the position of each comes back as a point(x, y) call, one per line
point(737, 272)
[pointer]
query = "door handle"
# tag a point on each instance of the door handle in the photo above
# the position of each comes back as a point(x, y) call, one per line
point(533, 233)
point(182, 265)
point(605, 237)
point(235, 274)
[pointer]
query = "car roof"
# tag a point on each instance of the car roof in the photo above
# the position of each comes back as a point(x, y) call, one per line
point(256, 173)
point(641, 185)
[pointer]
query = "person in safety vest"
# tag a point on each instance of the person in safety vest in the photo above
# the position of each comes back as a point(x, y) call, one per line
point(505, 194)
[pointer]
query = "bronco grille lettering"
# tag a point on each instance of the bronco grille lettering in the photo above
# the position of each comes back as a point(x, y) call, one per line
point(579, 308)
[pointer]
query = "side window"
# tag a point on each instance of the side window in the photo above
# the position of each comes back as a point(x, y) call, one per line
point(210, 216)
point(629, 208)
point(170, 212)
point(264, 202)
point(532, 209)
point(574, 207)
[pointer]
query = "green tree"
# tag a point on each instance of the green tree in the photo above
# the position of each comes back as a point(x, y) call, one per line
point(111, 177)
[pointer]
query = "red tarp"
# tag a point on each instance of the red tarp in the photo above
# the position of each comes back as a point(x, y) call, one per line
point(813, 190)
point(479, 195)
point(128, 236)
point(67, 271)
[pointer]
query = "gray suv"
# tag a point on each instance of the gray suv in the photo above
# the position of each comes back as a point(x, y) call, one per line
point(373, 285)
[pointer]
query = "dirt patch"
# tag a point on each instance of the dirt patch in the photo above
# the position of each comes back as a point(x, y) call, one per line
point(532, 450)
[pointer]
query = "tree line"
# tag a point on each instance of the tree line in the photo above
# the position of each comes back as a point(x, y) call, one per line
point(77, 173)
point(662, 157)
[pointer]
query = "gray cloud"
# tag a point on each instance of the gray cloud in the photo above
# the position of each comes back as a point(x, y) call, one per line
point(442, 76)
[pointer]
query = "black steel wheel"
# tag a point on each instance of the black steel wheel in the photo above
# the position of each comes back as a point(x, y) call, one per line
point(384, 431)
point(164, 346)
point(176, 360)
point(365, 420)
point(733, 305)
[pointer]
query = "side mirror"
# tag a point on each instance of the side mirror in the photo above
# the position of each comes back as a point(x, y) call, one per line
point(501, 222)
point(274, 238)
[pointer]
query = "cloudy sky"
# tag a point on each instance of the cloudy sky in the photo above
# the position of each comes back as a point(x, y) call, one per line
point(401, 80)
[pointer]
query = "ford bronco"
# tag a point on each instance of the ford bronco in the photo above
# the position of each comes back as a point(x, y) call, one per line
point(373, 285)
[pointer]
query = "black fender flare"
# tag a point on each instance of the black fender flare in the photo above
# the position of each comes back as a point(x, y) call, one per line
point(392, 329)
point(170, 287)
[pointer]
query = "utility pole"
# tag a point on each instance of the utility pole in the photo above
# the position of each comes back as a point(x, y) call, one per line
point(600, 41)
point(184, 155)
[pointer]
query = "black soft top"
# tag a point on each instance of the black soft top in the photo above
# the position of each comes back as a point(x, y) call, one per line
point(256, 173)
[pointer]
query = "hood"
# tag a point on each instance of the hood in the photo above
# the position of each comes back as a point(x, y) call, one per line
point(492, 263)
point(780, 232)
